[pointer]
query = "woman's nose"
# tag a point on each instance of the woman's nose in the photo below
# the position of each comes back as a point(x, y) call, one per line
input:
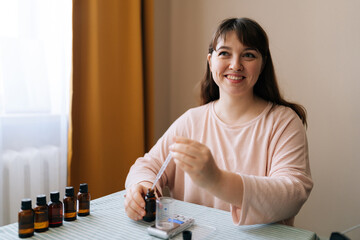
point(236, 65)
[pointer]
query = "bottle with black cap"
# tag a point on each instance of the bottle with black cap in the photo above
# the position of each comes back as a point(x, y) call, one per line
point(70, 204)
point(84, 200)
point(187, 235)
point(26, 219)
point(150, 206)
point(55, 210)
point(41, 223)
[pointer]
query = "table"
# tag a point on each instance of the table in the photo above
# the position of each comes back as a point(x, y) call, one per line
point(108, 220)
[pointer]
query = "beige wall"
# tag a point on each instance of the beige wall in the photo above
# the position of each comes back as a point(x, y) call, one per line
point(316, 52)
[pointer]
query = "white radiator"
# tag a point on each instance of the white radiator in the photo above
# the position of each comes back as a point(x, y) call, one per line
point(26, 174)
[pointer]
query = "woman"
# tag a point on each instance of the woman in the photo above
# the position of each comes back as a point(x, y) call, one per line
point(244, 149)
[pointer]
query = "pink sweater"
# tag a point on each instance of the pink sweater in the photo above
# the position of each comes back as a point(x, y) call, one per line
point(270, 153)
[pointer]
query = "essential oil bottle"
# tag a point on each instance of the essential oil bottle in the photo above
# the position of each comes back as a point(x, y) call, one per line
point(84, 200)
point(70, 204)
point(26, 219)
point(41, 222)
point(150, 206)
point(55, 210)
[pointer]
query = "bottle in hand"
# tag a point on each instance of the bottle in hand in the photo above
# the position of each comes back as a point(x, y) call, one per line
point(150, 206)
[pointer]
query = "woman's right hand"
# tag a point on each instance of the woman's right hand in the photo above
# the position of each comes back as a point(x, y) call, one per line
point(134, 201)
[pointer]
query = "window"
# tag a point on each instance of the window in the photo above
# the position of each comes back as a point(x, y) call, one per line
point(35, 74)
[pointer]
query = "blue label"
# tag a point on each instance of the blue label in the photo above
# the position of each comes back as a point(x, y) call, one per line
point(176, 221)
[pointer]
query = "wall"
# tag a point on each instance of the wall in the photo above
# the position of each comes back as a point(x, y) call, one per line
point(315, 49)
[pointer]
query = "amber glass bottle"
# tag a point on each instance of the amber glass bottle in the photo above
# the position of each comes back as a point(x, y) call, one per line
point(70, 204)
point(41, 222)
point(150, 206)
point(84, 200)
point(26, 219)
point(55, 210)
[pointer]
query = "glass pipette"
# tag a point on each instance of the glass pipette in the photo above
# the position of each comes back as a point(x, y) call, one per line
point(162, 169)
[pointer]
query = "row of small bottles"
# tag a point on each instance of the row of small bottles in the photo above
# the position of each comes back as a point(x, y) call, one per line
point(45, 215)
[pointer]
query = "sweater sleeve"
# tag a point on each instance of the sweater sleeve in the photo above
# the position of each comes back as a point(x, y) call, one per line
point(278, 196)
point(146, 168)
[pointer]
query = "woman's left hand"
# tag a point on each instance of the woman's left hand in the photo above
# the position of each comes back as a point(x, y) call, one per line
point(195, 159)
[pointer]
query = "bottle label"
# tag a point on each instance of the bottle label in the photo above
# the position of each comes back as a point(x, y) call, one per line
point(41, 225)
point(83, 210)
point(70, 215)
point(26, 231)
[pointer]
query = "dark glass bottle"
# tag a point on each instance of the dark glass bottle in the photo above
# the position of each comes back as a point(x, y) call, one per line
point(150, 206)
point(55, 210)
point(70, 204)
point(41, 222)
point(84, 200)
point(26, 219)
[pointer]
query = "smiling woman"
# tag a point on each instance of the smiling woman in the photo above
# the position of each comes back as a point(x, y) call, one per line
point(244, 150)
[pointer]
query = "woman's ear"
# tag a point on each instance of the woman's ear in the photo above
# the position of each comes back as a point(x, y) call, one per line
point(209, 60)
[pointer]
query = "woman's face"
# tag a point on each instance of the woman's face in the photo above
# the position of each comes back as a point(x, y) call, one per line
point(235, 67)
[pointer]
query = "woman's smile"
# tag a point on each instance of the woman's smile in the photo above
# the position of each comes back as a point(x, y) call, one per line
point(233, 78)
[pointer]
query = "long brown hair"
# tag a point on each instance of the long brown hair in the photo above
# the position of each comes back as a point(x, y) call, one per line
point(251, 34)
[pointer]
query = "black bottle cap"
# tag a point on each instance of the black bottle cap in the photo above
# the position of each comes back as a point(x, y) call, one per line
point(69, 191)
point(187, 235)
point(41, 200)
point(83, 188)
point(26, 204)
point(54, 196)
point(150, 192)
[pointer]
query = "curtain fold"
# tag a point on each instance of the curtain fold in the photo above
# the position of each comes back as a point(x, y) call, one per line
point(111, 116)
point(148, 66)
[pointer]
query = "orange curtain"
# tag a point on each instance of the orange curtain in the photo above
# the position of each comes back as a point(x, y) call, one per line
point(112, 91)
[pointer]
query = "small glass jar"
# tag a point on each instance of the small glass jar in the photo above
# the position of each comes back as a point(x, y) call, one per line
point(41, 223)
point(70, 204)
point(84, 200)
point(26, 219)
point(55, 210)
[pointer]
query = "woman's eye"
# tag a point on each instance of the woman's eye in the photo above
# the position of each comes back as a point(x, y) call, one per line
point(249, 55)
point(223, 53)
